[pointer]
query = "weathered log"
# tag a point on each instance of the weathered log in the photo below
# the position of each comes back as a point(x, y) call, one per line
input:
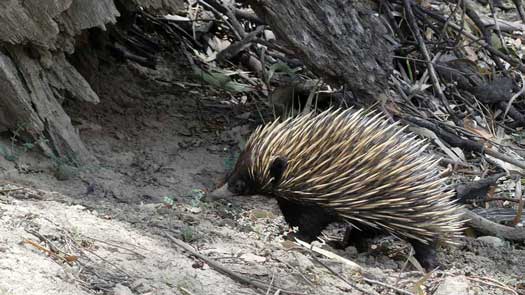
point(35, 76)
point(45, 111)
point(344, 41)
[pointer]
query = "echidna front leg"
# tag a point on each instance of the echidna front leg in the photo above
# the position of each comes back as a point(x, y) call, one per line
point(425, 254)
point(310, 219)
point(354, 237)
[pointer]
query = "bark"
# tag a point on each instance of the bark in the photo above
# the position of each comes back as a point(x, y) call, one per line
point(35, 75)
point(346, 42)
point(161, 6)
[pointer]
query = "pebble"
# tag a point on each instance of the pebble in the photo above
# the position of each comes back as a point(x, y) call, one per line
point(121, 290)
point(302, 261)
point(457, 285)
point(141, 286)
point(249, 257)
point(493, 241)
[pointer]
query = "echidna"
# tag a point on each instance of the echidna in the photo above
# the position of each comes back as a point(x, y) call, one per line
point(347, 165)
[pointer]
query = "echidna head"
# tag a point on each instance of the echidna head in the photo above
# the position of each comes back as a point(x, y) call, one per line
point(241, 182)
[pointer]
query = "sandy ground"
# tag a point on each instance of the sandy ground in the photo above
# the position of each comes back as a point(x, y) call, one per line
point(158, 145)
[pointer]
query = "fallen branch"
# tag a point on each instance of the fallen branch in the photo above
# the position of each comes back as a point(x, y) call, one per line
point(488, 227)
point(463, 143)
point(505, 25)
point(235, 48)
point(230, 19)
point(220, 268)
point(476, 189)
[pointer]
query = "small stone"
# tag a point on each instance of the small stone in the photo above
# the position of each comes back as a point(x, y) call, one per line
point(249, 257)
point(351, 251)
point(227, 222)
point(259, 214)
point(287, 244)
point(374, 273)
point(493, 241)
point(163, 210)
point(457, 285)
point(121, 290)
point(302, 261)
point(153, 124)
point(65, 172)
point(140, 286)
point(195, 210)
point(215, 148)
point(119, 135)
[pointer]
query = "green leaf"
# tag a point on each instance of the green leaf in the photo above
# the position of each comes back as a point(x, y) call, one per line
point(280, 67)
point(221, 80)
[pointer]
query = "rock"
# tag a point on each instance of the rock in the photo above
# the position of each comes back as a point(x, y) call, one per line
point(163, 210)
point(195, 210)
point(303, 262)
point(65, 172)
point(119, 135)
point(457, 285)
point(493, 241)
point(121, 290)
point(249, 257)
point(141, 286)
point(374, 273)
point(351, 251)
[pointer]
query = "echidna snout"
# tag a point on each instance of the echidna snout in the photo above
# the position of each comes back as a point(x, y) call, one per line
point(345, 165)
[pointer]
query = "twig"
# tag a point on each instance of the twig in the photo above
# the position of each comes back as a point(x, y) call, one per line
point(3, 191)
point(492, 283)
point(505, 158)
point(519, 7)
point(299, 270)
point(465, 144)
point(496, 25)
point(219, 267)
point(502, 199)
point(513, 61)
point(271, 283)
point(424, 51)
point(354, 266)
point(474, 16)
point(249, 15)
point(511, 100)
point(370, 281)
point(518, 195)
point(48, 252)
point(341, 277)
point(117, 246)
point(185, 291)
point(232, 21)
point(236, 47)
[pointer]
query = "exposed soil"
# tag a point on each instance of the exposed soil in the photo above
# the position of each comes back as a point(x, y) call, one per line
point(159, 141)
